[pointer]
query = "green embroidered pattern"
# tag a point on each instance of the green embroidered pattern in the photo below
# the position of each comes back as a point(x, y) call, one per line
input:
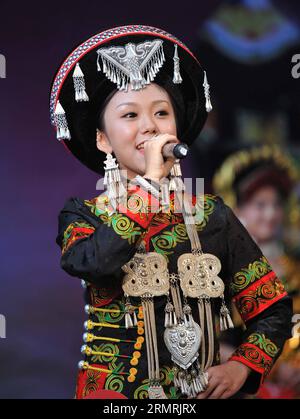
point(121, 224)
point(166, 377)
point(75, 231)
point(169, 239)
point(253, 272)
point(115, 383)
point(105, 317)
point(263, 343)
point(205, 206)
point(166, 242)
point(110, 359)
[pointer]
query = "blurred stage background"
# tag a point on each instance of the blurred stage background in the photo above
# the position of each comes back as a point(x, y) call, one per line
point(246, 47)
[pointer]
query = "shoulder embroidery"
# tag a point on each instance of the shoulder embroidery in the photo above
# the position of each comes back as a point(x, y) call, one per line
point(75, 231)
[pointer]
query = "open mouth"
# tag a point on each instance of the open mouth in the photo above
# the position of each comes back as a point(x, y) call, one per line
point(140, 148)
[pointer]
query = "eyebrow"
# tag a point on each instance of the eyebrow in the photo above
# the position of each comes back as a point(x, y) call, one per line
point(134, 103)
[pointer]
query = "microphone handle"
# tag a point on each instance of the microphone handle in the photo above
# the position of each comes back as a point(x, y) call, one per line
point(171, 150)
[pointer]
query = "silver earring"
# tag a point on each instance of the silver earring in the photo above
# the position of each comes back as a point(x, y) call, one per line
point(113, 181)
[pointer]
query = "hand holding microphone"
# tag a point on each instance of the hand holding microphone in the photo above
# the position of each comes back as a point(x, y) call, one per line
point(160, 153)
point(177, 151)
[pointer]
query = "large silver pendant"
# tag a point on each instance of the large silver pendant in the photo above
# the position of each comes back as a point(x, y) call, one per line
point(183, 343)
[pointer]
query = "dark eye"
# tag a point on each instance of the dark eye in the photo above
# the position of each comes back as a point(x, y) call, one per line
point(162, 113)
point(129, 115)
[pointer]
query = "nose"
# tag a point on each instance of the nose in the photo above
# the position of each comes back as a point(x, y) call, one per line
point(148, 125)
point(270, 212)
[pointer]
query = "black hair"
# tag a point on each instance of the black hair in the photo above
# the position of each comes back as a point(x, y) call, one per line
point(101, 110)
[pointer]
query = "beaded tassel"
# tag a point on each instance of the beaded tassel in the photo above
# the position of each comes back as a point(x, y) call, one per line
point(79, 85)
point(112, 180)
point(128, 311)
point(177, 79)
point(60, 119)
point(188, 318)
point(225, 319)
point(169, 315)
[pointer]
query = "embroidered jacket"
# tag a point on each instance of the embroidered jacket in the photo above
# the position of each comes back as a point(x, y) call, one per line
point(96, 244)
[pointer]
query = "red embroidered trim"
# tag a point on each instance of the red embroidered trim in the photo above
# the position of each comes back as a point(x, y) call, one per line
point(102, 296)
point(77, 234)
point(89, 381)
point(142, 216)
point(259, 296)
point(97, 40)
point(254, 358)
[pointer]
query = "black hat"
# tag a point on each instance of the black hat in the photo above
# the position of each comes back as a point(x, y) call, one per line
point(111, 60)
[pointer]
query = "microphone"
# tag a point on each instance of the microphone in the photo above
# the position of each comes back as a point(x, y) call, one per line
point(175, 150)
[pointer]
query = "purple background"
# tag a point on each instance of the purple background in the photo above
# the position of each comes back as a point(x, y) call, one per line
point(43, 305)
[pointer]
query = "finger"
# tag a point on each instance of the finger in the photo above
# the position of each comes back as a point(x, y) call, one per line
point(212, 384)
point(162, 139)
point(228, 393)
point(218, 392)
point(168, 164)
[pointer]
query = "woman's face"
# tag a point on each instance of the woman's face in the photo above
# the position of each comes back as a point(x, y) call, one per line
point(131, 118)
point(262, 214)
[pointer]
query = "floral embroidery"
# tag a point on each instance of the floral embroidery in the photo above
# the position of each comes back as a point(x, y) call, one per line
point(259, 296)
point(74, 232)
point(258, 353)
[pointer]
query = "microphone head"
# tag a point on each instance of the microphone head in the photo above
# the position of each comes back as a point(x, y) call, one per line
point(180, 150)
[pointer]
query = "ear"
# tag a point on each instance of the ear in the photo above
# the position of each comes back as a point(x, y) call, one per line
point(102, 142)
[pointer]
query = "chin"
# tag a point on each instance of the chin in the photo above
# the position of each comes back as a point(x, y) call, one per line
point(133, 172)
point(266, 237)
point(139, 171)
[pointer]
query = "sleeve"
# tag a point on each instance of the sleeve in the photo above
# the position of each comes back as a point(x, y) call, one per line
point(96, 242)
point(261, 300)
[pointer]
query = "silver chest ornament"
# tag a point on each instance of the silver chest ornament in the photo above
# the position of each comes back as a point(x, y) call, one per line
point(183, 343)
point(147, 276)
point(199, 275)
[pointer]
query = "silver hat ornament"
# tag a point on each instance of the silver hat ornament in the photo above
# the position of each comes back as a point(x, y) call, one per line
point(136, 64)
